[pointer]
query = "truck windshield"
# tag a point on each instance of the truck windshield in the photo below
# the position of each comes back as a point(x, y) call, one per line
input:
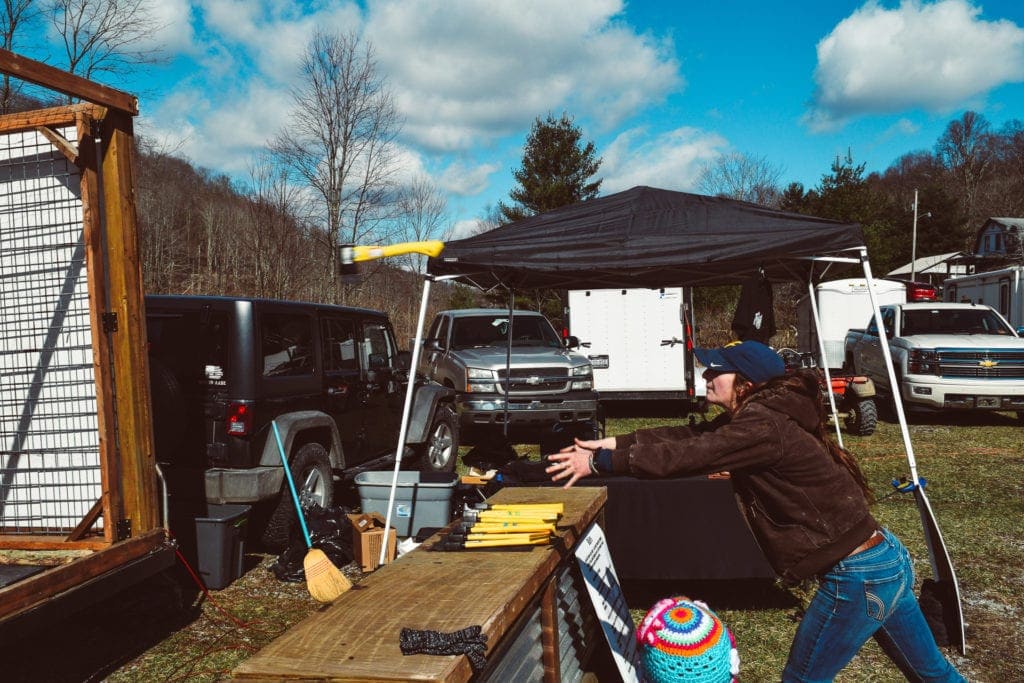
point(953, 321)
point(492, 330)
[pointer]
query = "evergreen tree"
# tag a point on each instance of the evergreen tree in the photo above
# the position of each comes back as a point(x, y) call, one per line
point(845, 194)
point(557, 169)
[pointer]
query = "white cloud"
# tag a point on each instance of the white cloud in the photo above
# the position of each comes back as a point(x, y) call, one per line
point(469, 76)
point(933, 56)
point(466, 180)
point(219, 136)
point(465, 228)
point(672, 160)
point(175, 33)
point(466, 72)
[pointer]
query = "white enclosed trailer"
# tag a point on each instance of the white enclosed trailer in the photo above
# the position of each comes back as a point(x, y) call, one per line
point(1001, 289)
point(842, 305)
point(639, 341)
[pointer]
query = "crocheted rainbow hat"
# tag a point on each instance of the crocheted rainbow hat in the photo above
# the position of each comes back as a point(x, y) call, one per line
point(683, 640)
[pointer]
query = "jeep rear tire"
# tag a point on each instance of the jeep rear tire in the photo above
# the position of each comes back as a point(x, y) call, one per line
point(314, 482)
point(440, 453)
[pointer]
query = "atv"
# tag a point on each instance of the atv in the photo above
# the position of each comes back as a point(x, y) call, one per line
point(854, 394)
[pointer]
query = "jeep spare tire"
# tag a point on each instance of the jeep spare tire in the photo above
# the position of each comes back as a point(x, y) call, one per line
point(314, 482)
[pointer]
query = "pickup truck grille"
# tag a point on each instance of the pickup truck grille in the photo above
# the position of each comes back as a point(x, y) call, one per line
point(535, 380)
point(993, 364)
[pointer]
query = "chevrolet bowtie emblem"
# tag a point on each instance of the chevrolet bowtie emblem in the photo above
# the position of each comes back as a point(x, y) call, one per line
point(988, 363)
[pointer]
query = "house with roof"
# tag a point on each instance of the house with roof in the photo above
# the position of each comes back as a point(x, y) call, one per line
point(934, 269)
point(1000, 239)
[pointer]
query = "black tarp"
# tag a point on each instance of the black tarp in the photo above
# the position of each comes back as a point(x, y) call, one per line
point(647, 237)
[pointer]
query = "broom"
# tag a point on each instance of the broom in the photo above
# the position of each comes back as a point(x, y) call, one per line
point(324, 581)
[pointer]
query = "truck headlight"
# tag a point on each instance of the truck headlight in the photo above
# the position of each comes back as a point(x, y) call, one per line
point(585, 374)
point(479, 380)
point(923, 362)
point(582, 370)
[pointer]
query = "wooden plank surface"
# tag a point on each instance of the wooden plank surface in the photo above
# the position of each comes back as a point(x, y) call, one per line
point(30, 592)
point(68, 83)
point(357, 637)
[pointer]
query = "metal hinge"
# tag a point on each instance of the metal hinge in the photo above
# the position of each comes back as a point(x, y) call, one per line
point(124, 529)
point(110, 322)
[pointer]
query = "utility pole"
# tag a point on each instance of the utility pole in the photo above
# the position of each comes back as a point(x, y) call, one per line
point(913, 242)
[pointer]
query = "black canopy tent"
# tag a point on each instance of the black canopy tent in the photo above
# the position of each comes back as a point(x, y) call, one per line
point(649, 237)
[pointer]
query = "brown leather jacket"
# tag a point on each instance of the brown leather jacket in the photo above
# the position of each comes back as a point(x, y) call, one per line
point(805, 509)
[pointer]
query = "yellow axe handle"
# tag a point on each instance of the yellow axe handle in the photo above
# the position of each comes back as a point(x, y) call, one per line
point(497, 544)
point(556, 507)
point(354, 254)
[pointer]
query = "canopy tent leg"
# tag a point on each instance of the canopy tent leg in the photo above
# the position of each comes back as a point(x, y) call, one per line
point(942, 566)
point(410, 388)
point(824, 361)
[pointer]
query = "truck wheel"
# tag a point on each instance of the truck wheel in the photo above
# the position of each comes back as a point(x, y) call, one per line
point(314, 482)
point(862, 417)
point(441, 451)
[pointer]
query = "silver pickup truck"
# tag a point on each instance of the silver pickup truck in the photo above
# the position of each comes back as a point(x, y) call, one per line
point(946, 356)
point(530, 378)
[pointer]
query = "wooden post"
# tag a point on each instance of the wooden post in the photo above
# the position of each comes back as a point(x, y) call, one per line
point(131, 371)
point(92, 235)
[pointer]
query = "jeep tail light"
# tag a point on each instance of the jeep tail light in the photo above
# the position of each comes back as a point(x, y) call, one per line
point(923, 362)
point(239, 419)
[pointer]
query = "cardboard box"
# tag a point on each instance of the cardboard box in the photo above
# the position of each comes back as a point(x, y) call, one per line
point(367, 536)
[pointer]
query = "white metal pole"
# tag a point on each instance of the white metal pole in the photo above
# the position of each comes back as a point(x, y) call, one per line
point(824, 360)
point(894, 387)
point(406, 409)
point(913, 242)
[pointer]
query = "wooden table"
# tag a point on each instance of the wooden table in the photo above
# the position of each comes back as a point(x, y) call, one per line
point(357, 637)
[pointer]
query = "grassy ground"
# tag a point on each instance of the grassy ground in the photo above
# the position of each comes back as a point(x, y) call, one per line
point(160, 631)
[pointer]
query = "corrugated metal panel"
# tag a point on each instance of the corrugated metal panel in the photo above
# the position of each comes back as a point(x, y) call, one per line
point(522, 658)
point(578, 628)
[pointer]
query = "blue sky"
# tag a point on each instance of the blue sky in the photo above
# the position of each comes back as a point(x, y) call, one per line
point(661, 88)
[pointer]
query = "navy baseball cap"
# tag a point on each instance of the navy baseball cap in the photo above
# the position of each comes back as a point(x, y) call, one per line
point(752, 359)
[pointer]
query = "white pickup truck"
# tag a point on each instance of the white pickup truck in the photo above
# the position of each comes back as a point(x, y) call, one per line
point(946, 356)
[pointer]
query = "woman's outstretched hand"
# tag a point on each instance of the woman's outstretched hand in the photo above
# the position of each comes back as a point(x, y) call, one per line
point(571, 464)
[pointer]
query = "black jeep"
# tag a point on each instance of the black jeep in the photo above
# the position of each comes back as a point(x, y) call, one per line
point(332, 377)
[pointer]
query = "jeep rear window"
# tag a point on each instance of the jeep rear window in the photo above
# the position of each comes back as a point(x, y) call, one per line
point(192, 345)
point(285, 345)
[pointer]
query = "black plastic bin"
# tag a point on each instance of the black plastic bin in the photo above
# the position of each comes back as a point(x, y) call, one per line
point(220, 544)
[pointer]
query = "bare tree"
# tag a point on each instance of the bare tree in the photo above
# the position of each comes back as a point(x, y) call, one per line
point(339, 140)
point(16, 13)
point(744, 177)
point(105, 36)
point(274, 240)
point(422, 215)
point(967, 151)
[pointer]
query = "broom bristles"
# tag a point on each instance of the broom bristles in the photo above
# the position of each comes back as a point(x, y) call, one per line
point(324, 581)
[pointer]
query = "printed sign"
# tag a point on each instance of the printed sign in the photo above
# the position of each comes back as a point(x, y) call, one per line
point(609, 603)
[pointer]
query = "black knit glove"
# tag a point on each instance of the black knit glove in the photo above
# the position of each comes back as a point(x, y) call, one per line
point(469, 641)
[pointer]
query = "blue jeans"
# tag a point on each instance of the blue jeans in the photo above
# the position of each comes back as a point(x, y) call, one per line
point(870, 594)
